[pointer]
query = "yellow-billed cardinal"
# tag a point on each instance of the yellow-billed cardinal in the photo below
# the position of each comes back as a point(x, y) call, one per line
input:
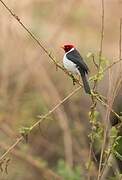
point(74, 63)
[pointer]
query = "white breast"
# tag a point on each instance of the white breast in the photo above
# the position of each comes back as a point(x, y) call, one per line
point(69, 65)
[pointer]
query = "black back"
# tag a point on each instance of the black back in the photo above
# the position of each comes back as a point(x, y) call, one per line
point(76, 58)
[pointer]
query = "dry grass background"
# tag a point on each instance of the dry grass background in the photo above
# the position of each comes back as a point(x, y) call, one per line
point(30, 84)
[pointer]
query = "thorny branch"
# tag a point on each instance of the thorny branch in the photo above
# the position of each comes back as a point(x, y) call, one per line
point(58, 65)
point(101, 44)
point(93, 96)
point(100, 57)
point(120, 40)
point(31, 161)
point(38, 42)
point(37, 123)
point(94, 99)
point(120, 59)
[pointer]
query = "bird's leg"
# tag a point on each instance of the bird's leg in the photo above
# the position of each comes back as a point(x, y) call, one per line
point(73, 79)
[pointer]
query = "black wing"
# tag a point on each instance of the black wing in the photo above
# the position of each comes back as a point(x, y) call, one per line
point(75, 57)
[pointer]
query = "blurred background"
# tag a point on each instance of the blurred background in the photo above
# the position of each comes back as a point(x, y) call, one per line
point(30, 85)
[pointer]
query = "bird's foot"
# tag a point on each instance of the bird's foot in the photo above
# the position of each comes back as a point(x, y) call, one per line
point(73, 79)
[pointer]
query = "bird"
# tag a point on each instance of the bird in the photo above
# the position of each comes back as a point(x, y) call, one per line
point(75, 64)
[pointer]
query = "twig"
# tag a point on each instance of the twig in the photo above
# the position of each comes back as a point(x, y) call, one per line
point(101, 43)
point(104, 142)
point(106, 105)
point(108, 156)
point(53, 109)
point(100, 56)
point(94, 102)
point(102, 32)
point(49, 54)
point(120, 40)
point(45, 172)
point(10, 148)
point(106, 126)
point(111, 65)
point(115, 92)
point(58, 65)
point(89, 160)
point(96, 65)
point(38, 122)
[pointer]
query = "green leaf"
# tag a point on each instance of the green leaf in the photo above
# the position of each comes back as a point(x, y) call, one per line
point(117, 148)
point(25, 130)
point(67, 173)
point(113, 132)
point(93, 116)
point(119, 156)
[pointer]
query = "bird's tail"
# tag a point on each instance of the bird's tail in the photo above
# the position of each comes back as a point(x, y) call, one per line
point(85, 82)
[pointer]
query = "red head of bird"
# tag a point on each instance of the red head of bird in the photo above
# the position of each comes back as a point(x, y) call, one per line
point(67, 47)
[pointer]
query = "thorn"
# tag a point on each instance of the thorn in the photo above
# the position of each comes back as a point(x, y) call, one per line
point(6, 167)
